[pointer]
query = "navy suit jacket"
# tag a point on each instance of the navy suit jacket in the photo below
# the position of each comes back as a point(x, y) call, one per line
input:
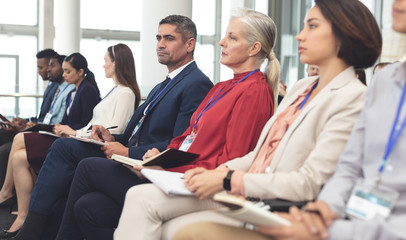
point(46, 101)
point(81, 111)
point(169, 114)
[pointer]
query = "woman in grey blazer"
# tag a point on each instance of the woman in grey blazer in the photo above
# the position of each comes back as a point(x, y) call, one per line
point(299, 146)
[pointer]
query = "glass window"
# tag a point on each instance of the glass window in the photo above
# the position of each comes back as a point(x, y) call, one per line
point(7, 106)
point(262, 6)
point(8, 64)
point(27, 107)
point(204, 16)
point(22, 12)
point(115, 15)
point(204, 57)
point(94, 51)
point(25, 47)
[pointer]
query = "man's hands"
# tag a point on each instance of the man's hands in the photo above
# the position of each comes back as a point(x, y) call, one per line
point(114, 148)
point(150, 153)
point(17, 125)
point(99, 133)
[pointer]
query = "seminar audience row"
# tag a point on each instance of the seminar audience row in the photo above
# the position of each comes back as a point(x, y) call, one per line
point(291, 159)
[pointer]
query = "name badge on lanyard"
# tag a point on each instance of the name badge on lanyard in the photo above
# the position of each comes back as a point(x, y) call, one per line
point(190, 138)
point(187, 142)
point(47, 118)
point(368, 200)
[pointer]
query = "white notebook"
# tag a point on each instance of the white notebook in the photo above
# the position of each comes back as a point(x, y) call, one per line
point(88, 140)
point(247, 211)
point(172, 183)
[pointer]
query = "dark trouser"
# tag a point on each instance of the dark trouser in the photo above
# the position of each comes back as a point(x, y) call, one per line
point(57, 172)
point(96, 199)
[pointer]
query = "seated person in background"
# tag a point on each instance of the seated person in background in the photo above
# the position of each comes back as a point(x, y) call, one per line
point(164, 115)
point(282, 91)
point(221, 128)
point(360, 74)
point(29, 149)
point(117, 107)
point(7, 134)
point(380, 66)
point(312, 70)
point(300, 145)
point(370, 159)
point(53, 116)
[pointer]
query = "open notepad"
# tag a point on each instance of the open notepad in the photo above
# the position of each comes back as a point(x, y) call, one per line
point(172, 183)
point(89, 140)
point(49, 134)
point(247, 211)
point(169, 158)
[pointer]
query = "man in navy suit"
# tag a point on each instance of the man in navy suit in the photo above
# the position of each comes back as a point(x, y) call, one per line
point(164, 115)
point(7, 135)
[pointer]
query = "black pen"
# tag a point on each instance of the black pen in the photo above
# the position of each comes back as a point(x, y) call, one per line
point(313, 211)
point(112, 127)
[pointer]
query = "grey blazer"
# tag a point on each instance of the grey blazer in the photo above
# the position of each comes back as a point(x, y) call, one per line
point(308, 153)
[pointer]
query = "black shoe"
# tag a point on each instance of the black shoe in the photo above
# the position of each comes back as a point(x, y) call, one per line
point(4, 234)
point(9, 202)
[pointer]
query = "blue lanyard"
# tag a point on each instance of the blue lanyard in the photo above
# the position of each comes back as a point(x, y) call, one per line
point(395, 134)
point(59, 94)
point(308, 95)
point(210, 103)
point(153, 100)
point(109, 92)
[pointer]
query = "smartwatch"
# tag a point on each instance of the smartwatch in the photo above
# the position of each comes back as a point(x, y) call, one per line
point(227, 181)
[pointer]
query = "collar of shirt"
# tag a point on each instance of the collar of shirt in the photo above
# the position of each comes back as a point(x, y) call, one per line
point(178, 70)
point(62, 85)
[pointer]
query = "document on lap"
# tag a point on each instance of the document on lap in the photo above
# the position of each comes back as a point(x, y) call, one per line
point(88, 140)
point(172, 183)
point(247, 211)
point(49, 133)
point(169, 158)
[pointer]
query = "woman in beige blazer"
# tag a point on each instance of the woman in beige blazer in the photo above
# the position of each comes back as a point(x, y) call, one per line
point(298, 148)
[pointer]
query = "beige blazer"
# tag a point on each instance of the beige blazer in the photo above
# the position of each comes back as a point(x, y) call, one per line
point(307, 154)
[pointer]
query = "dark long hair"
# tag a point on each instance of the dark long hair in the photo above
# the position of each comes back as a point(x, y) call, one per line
point(355, 28)
point(78, 61)
point(125, 68)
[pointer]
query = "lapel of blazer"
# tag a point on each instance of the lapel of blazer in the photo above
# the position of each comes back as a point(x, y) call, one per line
point(338, 82)
point(175, 81)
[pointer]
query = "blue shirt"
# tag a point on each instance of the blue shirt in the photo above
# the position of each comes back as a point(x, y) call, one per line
point(58, 105)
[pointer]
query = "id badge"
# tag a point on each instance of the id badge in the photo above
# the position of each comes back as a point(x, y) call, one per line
point(47, 118)
point(368, 200)
point(187, 142)
point(138, 125)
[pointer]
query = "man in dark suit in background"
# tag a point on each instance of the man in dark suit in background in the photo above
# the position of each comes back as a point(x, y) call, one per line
point(164, 115)
point(18, 124)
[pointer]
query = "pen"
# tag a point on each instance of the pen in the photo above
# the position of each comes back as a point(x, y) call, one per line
point(313, 211)
point(112, 127)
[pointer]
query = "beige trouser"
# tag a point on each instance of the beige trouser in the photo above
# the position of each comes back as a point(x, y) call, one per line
point(214, 231)
point(149, 213)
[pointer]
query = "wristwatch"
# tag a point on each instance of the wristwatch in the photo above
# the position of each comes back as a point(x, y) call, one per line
point(227, 180)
